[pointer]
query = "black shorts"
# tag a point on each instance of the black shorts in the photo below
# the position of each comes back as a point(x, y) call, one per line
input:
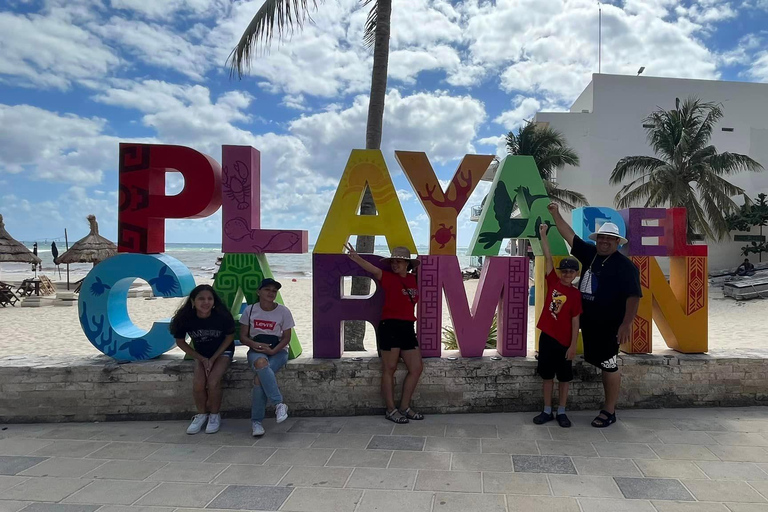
point(601, 352)
point(552, 360)
point(396, 334)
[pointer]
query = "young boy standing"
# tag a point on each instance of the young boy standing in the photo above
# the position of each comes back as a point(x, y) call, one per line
point(559, 325)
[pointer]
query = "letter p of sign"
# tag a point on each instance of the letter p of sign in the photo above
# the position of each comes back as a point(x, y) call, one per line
point(144, 206)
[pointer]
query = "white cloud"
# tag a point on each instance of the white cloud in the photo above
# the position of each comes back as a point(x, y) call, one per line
point(156, 45)
point(165, 8)
point(439, 124)
point(54, 147)
point(405, 195)
point(524, 109)
point(51, 51)
point(549, 46)
point(405, 65)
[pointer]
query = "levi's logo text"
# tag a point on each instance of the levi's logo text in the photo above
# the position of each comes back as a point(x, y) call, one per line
point(263, 324)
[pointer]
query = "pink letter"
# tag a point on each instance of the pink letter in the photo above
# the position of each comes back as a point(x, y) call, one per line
point(241, 212)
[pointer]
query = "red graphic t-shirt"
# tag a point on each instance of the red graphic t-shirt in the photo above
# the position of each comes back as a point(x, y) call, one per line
point(400, 296)
point(562, 304)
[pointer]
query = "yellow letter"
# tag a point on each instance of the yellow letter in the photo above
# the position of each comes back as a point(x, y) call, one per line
point(365, 166)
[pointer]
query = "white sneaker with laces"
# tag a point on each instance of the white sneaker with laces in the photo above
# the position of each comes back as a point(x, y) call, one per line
point(214, 424)
point(197, 423)
point(281, 413)
point(258, 430)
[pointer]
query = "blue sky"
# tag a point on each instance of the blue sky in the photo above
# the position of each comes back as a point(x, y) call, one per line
point(79, 76)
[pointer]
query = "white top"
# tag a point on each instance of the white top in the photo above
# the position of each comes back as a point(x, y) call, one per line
point(267, 322)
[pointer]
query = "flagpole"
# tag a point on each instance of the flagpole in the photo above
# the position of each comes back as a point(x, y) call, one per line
point(599, 38)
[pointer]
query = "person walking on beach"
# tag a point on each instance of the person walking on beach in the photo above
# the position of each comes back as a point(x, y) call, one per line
point(610, 293)
point(559, 325)
point(396, 333)
point(208, 322)
point(265, 328)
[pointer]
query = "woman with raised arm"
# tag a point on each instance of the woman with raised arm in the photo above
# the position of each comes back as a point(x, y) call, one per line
point(208, 322)
point(396, 333)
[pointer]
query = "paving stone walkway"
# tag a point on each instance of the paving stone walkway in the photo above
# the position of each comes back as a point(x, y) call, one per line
point(709, 460)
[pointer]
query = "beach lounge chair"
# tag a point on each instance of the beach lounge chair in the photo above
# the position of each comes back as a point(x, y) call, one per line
point(7, 297)
point(26, 288)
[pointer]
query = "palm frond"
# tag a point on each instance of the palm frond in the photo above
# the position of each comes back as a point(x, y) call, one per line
point(569, 199)
point(703, 134)
point(634, 166)
point(633, 197)
point(279, 16)
point(369, 36)
point(731, 163)
point(554, 158)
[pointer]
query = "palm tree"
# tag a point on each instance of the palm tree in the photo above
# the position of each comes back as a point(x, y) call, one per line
point(551, 152)
point(687, 170)
point(285, 15)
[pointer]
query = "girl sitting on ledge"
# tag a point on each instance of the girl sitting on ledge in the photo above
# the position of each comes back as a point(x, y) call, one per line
point(208, 322)
point(265, 328)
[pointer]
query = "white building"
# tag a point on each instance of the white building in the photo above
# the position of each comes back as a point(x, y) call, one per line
point(605, 124)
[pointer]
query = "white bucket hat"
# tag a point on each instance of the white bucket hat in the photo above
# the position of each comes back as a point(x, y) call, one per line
point(609, 229)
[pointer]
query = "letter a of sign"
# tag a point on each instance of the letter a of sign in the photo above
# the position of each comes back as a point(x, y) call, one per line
point(514, 208)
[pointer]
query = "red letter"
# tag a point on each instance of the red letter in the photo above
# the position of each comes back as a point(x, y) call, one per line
point(143, 204)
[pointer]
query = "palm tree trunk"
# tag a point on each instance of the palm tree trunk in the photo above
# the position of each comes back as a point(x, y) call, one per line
point(354, 332)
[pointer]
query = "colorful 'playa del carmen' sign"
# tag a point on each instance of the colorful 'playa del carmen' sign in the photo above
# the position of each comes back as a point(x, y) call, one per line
point(678, 307)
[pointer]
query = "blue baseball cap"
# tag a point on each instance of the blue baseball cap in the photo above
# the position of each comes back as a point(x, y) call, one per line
point(568, 264)
point(270, 282)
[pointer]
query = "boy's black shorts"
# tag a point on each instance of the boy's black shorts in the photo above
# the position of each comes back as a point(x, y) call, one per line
point(552, 360)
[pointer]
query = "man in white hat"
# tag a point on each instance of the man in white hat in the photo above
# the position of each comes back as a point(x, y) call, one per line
point(610, 294)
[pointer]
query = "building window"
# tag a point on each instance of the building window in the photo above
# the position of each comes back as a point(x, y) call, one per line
point(649, 126)
point(727, 129)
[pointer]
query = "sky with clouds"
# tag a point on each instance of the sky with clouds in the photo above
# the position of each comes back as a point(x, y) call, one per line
point(79, 76)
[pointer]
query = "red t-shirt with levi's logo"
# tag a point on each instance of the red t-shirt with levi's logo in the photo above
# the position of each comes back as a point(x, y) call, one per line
point(400, 296)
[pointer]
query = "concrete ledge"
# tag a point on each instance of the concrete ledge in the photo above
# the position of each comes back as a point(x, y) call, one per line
point(45, 389)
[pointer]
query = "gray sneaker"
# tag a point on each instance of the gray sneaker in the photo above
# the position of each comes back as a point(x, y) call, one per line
point(281, 413)
point(197, 423)
point(258, 430)
point(214, 424)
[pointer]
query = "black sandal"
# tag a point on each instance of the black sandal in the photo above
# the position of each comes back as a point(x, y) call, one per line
point(543, 418)
point(396, 417)
point(609, 419)
point(563, 420)
point(412, 415)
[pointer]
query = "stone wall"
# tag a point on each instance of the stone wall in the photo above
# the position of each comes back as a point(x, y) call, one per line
point(36, 389)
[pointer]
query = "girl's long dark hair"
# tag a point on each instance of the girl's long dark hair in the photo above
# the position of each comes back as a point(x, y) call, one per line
point(186, 313)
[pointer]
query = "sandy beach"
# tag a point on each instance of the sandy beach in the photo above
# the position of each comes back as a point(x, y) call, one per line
point(56, 330)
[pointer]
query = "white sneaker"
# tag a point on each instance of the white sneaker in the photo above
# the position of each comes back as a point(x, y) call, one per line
point(214, 424)
point(281, 413)
point(197, 423)
point(258, 430)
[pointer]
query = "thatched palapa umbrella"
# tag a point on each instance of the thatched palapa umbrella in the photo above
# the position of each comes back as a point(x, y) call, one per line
point(12, 250)
point(94, 248)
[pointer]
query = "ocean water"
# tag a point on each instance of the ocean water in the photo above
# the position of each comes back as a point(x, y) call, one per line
point(199, 258)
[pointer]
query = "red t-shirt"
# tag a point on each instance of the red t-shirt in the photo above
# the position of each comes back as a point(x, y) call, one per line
point(562, 304)
point(400, 296)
